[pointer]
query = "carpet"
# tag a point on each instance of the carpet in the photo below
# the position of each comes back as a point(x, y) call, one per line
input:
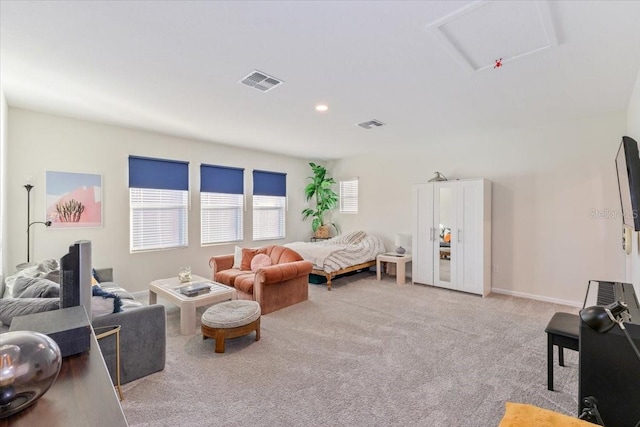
point(367, 353)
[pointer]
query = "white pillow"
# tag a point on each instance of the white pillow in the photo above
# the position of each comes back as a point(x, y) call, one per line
point(101, 306)
point(237, 257)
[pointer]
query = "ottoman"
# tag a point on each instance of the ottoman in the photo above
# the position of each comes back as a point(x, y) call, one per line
point(230, 319)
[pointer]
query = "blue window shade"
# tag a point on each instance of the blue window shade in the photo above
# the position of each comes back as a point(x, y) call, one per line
point(221, 179)
point(161, 174)
point(269, 183)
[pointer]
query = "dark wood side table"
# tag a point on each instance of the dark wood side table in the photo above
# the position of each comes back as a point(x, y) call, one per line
point(82, 395)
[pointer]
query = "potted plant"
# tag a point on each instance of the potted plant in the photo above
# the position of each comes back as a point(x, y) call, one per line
point(325, 199)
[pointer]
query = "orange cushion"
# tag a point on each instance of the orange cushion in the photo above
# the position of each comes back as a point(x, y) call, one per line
point(247, 257)
point(521, 415)
point(228, 277)
point(244, 283)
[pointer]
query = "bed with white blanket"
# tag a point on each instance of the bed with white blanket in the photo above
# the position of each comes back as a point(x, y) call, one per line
point(340, 254)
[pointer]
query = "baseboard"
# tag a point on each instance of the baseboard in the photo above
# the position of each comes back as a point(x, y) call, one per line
point(537, 297)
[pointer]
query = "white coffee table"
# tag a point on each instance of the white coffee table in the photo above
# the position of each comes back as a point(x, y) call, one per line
point(170, 290)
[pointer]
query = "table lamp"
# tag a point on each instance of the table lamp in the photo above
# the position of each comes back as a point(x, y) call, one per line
point(402, 242)
point(603, 318)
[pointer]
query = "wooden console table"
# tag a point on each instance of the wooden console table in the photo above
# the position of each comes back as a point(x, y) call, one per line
point(82, 395)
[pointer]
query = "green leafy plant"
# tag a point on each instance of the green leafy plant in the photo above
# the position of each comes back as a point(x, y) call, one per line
point(325, 198)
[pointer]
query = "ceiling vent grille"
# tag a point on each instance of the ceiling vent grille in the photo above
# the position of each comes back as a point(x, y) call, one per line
point(370, 124)
point(261, 81)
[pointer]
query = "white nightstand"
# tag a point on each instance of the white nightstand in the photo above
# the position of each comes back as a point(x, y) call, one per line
point(401, 265)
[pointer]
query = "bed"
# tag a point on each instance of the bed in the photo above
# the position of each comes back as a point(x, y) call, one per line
point(341, 254)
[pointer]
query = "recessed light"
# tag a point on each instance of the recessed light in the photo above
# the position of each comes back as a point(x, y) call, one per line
point(322, 107)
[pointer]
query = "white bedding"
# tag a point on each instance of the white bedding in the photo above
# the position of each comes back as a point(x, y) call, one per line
point(330, 256)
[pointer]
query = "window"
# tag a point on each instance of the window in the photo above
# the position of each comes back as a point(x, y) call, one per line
point(221, 204)
point(349, 196)
point(269, 203)
point(159, 203)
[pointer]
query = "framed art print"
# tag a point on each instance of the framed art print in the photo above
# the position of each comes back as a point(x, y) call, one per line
point(74, 200)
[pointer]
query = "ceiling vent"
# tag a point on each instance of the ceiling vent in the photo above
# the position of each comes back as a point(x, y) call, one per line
point(261, 81)
point(370, 124)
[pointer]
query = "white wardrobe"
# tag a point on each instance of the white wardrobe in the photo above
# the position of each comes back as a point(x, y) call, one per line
point(452, 235)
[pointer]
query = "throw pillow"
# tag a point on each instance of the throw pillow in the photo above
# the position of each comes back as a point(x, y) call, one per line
point(94, 277)
point(247, 257)
point(35, 287)
point(260, 261)
point(103, 302)
point(113, 288)
point(237, 257)
point(12, 307)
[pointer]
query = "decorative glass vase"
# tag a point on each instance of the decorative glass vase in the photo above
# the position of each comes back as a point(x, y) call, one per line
point(29, 365)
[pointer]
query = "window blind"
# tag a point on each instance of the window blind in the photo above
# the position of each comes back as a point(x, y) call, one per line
point(269, 203)
point(349, 196)
point(221, 204)
point(269, 183)
point(159, 202)
point(146, 172)
point(268, 217)
point(158, 219)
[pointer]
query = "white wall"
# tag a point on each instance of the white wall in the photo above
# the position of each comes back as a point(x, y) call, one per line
point(547, 183)
point(633, 130)
point(39, 142)
point(3, 179)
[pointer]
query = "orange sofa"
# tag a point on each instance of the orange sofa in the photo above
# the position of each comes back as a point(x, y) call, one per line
point(283, 283)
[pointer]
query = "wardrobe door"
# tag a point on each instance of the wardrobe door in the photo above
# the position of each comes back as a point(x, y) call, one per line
point(469, 236)
point(423, 234)
point(474, 239)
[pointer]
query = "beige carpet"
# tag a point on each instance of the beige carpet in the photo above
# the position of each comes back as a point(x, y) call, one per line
point(367, 353)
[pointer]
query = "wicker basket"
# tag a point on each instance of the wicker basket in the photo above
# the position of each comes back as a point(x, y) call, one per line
point(322, 232)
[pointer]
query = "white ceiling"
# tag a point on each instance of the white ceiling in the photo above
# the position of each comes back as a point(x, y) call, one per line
point(174, 67)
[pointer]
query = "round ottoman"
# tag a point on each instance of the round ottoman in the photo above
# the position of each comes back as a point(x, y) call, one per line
point(230, 319)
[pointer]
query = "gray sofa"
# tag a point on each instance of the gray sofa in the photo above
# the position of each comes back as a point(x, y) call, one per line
point(142, 334)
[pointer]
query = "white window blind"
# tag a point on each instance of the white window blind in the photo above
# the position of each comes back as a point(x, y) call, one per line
point(268, 217)
point(221, 217)
point(158, 218)
point(349, 196)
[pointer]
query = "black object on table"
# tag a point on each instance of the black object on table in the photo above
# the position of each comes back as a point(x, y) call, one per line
point(609, 368)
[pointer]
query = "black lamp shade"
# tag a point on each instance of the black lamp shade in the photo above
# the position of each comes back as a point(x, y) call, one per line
point(597, 318)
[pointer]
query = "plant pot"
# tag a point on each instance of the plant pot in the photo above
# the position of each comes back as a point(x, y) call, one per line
point(322, 232)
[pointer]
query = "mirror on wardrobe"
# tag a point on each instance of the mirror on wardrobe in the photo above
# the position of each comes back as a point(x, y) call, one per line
point(446, 223)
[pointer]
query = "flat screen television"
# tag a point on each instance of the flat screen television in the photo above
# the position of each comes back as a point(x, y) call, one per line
point(75, 276)
point(628, 168)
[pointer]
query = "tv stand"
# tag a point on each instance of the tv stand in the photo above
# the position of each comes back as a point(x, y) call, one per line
point(82, 395)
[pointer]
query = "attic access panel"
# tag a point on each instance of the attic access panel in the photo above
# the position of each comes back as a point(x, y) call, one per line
point(483, 32)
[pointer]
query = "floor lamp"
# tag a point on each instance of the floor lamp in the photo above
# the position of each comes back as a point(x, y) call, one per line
point(29, 223)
